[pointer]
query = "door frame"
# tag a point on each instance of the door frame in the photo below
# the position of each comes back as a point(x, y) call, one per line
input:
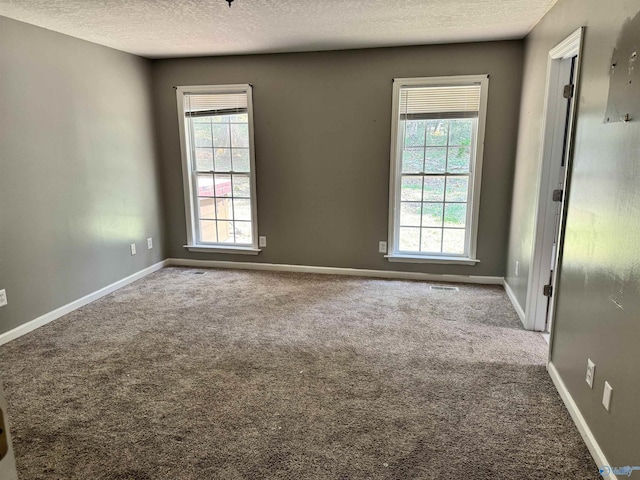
point(536, 303)
point(8, 463)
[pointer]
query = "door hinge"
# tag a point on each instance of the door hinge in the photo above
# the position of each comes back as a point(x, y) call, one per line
point(568, 91)
point(557, 195)
point(547, 290)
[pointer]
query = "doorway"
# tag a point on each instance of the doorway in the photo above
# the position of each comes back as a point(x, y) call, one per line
point(555, 174)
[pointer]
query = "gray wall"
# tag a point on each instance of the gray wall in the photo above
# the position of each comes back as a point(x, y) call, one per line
point(602, 248)
point(78, 170)
point(322, 132)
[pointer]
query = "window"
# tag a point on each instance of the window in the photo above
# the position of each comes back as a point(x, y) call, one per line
point(436, 161)
point(216, 133)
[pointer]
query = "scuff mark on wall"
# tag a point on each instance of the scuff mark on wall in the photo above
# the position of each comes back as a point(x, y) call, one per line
point(632, 60)
point(623, 104)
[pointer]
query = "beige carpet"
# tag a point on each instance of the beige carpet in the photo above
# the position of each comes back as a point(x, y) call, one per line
point(252, 375)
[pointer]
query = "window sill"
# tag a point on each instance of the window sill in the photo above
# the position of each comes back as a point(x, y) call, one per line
point(221, 249)
point(424, 259)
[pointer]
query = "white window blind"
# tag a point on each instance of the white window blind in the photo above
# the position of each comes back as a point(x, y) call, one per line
point(203, 105)
point(438, 102)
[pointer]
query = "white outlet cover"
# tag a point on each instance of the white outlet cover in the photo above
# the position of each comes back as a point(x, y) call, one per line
point(606, 396)
point(517, 267)
point(3, 297)
point(133, 249)
point(262, 242)
point(591, 372)
point(382, 247)
point(149, 243)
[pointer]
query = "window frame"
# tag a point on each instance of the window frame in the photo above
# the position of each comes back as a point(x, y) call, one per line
point(475, 177)
point(189, 174)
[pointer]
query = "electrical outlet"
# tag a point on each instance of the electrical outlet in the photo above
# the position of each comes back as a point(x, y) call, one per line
point(591, 372)
point(133, 249)
point(382, 247)
point(3, 298)
point(262, 242)
point(149, 243)
point(517, 267)
point(606, 396)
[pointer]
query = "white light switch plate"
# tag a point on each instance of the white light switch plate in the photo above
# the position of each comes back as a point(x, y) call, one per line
point(591, 372)
point(149, 243)
point(382, 247)
point(133, 249)
point(3, 297)
point(606, 396)
point(262, 242)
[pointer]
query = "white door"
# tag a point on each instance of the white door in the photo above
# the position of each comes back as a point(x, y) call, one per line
point(561, 153)
point(560, 110)
point(7, 461)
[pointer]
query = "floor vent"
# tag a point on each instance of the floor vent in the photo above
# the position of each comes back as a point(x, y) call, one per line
point(443, 287)
point(199, 273)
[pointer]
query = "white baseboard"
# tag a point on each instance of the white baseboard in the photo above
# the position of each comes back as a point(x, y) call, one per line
point(355, 272)
point(389, 274)
point(578, 419)
point(81, 302)
point(514, 302)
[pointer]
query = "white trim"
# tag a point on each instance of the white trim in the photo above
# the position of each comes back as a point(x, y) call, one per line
point(400, 258)
point(221, 249)
point(475, 178)
point(514, 301)
point(578, 419)
point(568, 47)
point(355, 272)
point(8, 464)
point(186, 164)
point(187, 167)
point(183, 262)
point(540, 260)
point(577, 38)
point(544, 228)
point(81, 302)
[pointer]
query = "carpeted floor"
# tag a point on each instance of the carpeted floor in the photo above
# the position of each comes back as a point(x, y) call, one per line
point(258, 375)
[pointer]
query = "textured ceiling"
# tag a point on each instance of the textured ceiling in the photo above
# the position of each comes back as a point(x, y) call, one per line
point(173, 28)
